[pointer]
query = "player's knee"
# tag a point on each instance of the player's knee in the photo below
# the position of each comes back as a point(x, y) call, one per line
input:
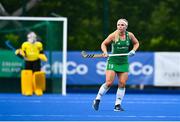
point(109, 83)
point(122, 85)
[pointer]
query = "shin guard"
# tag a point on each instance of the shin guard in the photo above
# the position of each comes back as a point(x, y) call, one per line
point(26, 82)
point(39, 82)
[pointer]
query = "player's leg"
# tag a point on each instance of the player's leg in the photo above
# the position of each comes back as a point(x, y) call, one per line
point(38, 78)
point(36, 65)
point(39, 82)
point(122, 78)
point(26, 79)
point(26, 82)
point(110, 75)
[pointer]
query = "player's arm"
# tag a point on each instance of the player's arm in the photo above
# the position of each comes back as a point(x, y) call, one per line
point(21, 51)
point(42, 56)
point(134, 40)
point(106, 42)
point(135, 43)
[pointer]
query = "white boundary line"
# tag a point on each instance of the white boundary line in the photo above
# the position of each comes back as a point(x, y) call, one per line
point(89, 116)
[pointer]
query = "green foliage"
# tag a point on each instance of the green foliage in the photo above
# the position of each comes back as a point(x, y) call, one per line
point(155, 23)
point(12, 38)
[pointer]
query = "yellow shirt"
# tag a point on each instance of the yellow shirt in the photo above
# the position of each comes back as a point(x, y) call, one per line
point(32, 50)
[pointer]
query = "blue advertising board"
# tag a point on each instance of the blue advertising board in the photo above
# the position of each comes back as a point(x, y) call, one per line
point(91, 71)
point(141, 70)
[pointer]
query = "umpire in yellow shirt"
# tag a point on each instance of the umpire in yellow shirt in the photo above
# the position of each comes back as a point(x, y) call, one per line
point(32, 78)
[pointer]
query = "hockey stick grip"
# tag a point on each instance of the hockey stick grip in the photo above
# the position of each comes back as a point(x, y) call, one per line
point(123, 54)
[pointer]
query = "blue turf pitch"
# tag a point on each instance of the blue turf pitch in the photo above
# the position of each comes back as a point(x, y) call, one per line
point(77, 107)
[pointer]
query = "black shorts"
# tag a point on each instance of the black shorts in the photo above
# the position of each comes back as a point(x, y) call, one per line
point(33, 65)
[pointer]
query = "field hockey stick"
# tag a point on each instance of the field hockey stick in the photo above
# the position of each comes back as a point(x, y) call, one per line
point(9, 45)
point(85, 55)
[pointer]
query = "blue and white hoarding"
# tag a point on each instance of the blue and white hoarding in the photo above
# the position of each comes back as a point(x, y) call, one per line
point(88, 71)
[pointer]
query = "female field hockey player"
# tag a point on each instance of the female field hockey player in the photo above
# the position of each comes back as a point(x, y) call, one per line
point(120, 41)
point(32, 52)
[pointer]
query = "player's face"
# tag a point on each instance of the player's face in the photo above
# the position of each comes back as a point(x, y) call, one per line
point(121, 26)
point(31, 37)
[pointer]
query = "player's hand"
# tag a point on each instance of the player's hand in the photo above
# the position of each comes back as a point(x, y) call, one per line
point(105, 54)
point(43, 57)
point(20, 52)
point(132, 53)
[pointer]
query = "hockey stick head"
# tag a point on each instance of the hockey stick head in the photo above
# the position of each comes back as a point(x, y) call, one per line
point(84, 54)
point(9, 45)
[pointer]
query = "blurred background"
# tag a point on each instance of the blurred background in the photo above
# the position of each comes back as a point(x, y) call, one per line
point(155, 23)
